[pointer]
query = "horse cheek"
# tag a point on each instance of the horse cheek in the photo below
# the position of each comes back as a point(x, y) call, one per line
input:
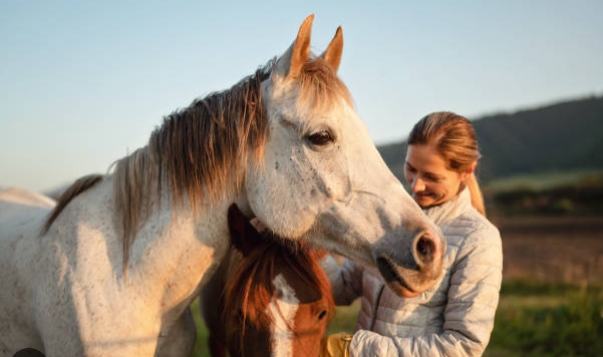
point(280, 195)
point(308, 331)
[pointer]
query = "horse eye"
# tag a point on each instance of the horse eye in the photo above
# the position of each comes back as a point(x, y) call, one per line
point(322, 314)
point(322, 137)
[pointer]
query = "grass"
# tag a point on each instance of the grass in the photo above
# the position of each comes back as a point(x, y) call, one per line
point(201, 349)
point(538, 319)
point(345, 318)
point(533, 319)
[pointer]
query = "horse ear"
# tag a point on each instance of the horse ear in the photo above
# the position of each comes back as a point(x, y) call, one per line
point(332, 55)
point(289, 65)
point(243, 235)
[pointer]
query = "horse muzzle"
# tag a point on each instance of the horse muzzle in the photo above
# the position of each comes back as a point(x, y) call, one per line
point(410, 270)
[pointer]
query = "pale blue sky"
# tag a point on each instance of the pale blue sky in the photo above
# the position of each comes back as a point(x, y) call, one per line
point(82, 83)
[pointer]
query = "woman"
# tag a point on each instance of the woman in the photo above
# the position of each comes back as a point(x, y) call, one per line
point(456, 316)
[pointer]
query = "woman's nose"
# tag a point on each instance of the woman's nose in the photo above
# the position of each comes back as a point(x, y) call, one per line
point(418, 185)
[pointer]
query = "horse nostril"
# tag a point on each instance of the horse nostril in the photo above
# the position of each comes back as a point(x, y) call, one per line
point(425, 248)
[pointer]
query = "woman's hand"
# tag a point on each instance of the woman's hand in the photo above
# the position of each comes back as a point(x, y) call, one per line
point(336, 345)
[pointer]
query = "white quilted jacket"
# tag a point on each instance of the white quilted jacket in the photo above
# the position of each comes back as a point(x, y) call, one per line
point(454, 318)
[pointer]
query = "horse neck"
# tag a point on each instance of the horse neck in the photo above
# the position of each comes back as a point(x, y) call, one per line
point(173, 216)
point(177, 248)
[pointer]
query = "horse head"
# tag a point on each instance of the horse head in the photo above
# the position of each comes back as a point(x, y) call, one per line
point(278, 300)
point(322, 179)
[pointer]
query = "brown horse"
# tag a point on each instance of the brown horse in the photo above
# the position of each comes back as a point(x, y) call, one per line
point(269, 298)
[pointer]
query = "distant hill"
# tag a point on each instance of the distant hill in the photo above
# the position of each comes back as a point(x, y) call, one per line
point(561, 137)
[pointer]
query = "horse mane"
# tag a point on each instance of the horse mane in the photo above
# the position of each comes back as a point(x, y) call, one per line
point(80, 185)
point(194, 149)
point(251, 284)
point(193, 152)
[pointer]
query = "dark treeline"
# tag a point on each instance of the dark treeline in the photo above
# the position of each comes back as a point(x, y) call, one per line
point(576, 200)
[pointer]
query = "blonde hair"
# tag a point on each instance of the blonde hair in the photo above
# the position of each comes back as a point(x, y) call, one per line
point(455, 139)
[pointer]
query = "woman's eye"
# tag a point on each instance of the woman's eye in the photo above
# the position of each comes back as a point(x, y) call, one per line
point(322, 137)
point(432, 179)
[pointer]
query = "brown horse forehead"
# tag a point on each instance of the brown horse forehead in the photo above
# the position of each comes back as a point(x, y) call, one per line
point(306, 292)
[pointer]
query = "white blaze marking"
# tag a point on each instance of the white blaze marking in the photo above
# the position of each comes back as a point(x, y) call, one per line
point(283, 313)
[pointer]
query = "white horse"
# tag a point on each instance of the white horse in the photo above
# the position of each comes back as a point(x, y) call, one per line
point(112, 267)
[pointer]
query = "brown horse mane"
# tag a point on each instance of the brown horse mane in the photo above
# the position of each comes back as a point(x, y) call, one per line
point(195, 148)
point(250, 288)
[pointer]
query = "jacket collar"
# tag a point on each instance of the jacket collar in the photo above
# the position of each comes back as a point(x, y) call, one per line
point(451, 209)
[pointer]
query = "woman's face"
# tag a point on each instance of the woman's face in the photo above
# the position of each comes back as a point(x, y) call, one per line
point(431, 182)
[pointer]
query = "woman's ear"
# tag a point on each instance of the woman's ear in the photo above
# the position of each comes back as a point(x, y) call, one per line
point(470, 171)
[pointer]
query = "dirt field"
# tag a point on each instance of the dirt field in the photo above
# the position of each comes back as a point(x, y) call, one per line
point(553, 249)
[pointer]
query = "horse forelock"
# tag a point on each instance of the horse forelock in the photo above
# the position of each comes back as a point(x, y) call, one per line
point(251, 285)
point(319, 86)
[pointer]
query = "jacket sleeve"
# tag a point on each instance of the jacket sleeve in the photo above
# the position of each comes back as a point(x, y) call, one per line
point(473, 297)
point(346, 280)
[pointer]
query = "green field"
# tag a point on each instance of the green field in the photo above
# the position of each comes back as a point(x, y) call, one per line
point(537, 319)
point(533, 319)
point(538, 182)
